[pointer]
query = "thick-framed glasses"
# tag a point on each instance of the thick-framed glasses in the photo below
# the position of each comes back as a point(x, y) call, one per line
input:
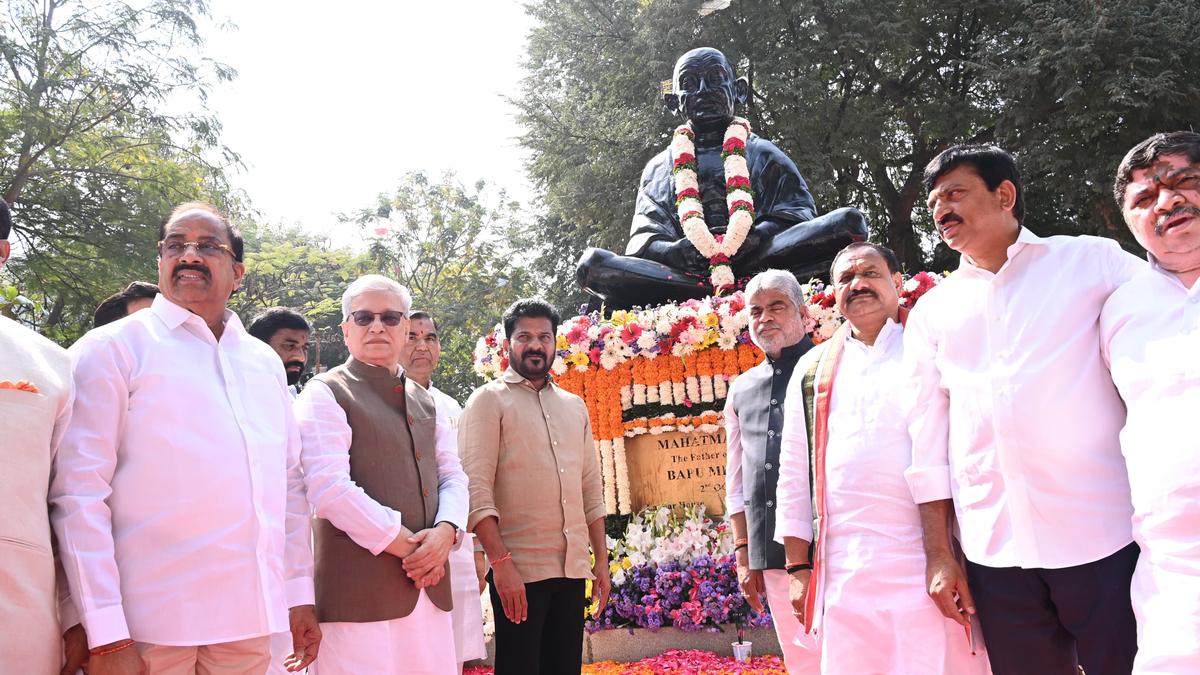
point(390, 318)
point(207, 249)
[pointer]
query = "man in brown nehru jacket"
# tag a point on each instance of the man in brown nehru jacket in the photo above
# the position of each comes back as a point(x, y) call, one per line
point(390, 498)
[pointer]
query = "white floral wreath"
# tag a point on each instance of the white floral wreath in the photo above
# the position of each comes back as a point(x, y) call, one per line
point(719, 249)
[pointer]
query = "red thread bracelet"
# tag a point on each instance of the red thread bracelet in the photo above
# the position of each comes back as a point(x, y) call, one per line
point(112, 650)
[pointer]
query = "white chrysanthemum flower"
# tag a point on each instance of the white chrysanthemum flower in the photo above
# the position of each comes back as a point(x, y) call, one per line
point(735, 165)
point(722, 276)
point(685, 180)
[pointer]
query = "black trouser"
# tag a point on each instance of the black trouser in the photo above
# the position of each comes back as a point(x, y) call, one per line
point(550, 640)
point(1048, 621)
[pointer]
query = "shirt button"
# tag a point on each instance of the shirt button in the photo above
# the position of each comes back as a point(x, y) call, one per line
point(565, 530)
point(398, 388)
point(778, 371)
point(770, 503)
point(425, 492)
point(562, 470)
point(770, 466)
point(417, 455)
point(547, 415)
point(774, 402)
point(770, 432)
point(556, 442)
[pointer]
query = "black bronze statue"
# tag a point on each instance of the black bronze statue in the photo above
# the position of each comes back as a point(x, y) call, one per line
point(660, 263)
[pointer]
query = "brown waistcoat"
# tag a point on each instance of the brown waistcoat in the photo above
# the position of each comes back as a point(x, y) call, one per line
point(393, 459)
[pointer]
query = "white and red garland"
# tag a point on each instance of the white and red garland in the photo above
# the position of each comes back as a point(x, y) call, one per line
point(719, 249)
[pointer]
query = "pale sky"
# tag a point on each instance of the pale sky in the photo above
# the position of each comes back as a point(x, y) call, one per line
point(335, 102)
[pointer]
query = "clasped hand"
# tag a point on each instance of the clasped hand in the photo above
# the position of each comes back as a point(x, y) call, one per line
point(425, 564)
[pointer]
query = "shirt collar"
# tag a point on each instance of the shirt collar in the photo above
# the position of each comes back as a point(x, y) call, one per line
point(372, 372)
point(1024, 237)
point(891, 330)
point(513, 377)
point(793, 352)
point(174, 315)
point(1154, 265)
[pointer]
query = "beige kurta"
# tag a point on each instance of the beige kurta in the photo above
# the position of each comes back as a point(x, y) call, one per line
point(33, 423)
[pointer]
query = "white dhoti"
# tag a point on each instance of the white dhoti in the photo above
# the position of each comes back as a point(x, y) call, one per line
point(1167, 606)
point(421, 643)
point(468, 609)
point(801, 655)
point(878, 619)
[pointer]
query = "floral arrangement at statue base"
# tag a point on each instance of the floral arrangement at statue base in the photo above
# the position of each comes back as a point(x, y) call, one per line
point(643, 371)
point(674, 662)
point(677, 571)
point(662, 369)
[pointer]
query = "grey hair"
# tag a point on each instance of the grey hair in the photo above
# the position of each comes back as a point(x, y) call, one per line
point(374, 282)
point(777, 280)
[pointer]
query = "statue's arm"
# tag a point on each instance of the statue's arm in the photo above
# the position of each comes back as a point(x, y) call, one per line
point(781, 194)
point(655, 225)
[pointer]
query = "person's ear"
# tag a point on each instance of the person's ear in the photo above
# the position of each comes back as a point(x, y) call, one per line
point(741, 90)
point(1007, 193)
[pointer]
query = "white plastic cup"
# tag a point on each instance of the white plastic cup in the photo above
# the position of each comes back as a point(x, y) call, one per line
point(741, 651)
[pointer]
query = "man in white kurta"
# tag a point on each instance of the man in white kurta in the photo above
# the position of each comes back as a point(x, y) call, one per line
point(178, 499)
point(35, 406)
point(865, 597)
point(419, 359)
point(1150, 334)
point(421, 641)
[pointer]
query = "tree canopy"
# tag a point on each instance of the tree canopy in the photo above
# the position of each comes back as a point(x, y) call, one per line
point(89, 158)
point(454, 247)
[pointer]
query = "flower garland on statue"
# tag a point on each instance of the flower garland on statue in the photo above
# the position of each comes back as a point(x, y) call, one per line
point(719, 249)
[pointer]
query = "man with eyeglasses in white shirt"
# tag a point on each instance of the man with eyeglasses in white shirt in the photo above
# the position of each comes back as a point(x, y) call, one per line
point(178, 501)
point(1015, 425)
point(1151, 339)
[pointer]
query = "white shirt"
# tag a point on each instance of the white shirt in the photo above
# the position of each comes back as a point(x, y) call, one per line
point(178, 501)
point(1014, 415)
point(448, 410)
point(326, 436)
point(735, 500)
point(1150, 332)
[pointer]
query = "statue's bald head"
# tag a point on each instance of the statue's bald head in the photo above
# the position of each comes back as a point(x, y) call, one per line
point(706, 89)
point(703, 59)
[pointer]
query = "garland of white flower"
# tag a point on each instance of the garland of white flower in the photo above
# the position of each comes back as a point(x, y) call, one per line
point(719, 249)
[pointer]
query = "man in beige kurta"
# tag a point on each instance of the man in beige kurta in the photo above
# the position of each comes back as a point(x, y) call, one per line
point(536, 501)
point(35, 405)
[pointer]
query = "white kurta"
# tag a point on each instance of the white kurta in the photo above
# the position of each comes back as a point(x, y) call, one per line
point(178, 484)
point(876, 616)
point(468, 608)
point(1150, 332)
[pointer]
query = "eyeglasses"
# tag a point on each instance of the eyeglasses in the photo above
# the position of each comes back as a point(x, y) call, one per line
point(207, 249)
point(389, 318)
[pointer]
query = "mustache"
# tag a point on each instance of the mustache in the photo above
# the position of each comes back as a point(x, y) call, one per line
point(183, 267)
point(294, 364)
point(530, 354)
point(862, 292)
point(948, 219)
point(1160, 225)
